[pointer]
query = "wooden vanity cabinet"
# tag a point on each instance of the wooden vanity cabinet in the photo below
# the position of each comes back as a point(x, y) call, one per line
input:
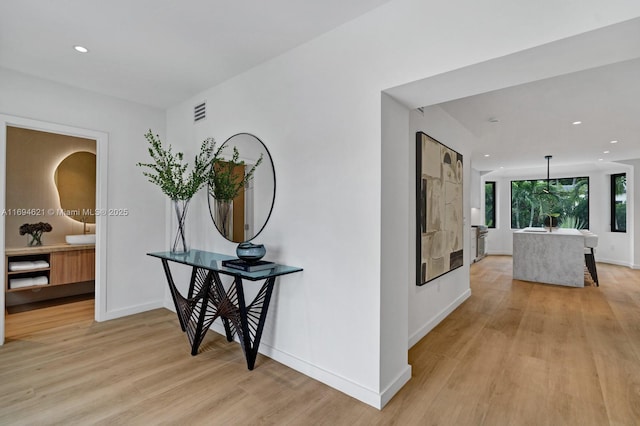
point(72, 266)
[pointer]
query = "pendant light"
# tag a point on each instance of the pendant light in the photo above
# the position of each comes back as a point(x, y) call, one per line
point(548, 157)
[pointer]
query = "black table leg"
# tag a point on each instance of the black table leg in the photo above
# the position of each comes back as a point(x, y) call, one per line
point(252, 318)
point(221, 297)
point(175, 295)
point(209, 300)
point(192, 311)
point(201, 313)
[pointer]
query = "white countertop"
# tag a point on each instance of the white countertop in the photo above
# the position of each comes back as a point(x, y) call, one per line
point(544, 231)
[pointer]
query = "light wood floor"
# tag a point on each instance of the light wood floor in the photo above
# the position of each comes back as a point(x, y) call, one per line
point(515, 353)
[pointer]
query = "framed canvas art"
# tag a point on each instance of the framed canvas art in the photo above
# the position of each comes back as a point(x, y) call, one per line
point(439, 217)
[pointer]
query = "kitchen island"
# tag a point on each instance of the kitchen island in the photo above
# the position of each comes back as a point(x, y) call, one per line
point(555, 257)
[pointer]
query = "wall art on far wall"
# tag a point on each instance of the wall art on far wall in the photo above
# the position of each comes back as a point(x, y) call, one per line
point(439, 218)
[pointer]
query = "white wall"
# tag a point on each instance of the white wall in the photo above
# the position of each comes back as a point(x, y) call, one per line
point(613, 247)
point(432, 302)
point(134, 282)
point(475, 194)
point(633, 213)
point(397, 242)
point(318, 110)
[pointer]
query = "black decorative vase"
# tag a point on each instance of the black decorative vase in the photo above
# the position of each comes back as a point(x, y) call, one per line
point(250, 252)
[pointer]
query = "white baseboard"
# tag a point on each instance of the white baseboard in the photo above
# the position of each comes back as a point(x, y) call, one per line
point(431, 324)
point(344, 385)
point(499, 253)
point(615, 262)
point(395, 386)
point(132, 310)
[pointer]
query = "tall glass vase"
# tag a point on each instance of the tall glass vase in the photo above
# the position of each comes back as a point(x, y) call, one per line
point(179, 236)
point(223, 217)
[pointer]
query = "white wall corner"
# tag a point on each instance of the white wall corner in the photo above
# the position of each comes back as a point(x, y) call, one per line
point(342, 384)
point(395, 386)
point(426, 328)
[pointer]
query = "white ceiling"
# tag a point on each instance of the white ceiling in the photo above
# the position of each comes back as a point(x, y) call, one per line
point(159, 52)
point(535, 119)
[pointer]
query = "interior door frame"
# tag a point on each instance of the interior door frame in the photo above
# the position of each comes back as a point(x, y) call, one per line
point(102, 145)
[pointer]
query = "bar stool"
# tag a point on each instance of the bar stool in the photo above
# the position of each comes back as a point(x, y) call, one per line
point(590, 243)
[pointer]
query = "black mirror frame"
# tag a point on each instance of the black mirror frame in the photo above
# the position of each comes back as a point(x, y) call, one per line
point(273, 199)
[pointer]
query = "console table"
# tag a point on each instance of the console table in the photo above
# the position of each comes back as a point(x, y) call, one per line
point(207, 299)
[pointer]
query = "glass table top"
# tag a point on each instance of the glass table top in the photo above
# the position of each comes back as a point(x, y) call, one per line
point(213, 262)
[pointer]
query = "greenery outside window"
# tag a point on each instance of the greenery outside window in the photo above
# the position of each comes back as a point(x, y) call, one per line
point(490, 204)
point(619, 202)
point(531, 203)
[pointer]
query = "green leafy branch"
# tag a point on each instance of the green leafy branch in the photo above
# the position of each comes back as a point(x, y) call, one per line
point(224, 185)
point(169, 172)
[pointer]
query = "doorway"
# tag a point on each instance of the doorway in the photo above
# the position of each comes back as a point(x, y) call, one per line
point(97, 266)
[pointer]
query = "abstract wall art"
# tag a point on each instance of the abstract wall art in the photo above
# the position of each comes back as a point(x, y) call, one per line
point(439, 217)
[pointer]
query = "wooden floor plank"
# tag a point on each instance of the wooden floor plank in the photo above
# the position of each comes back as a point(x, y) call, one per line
point(514, 353)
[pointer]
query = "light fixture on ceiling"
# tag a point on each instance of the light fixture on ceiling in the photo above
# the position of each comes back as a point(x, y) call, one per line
point(487, 155)
point(600, 159)
point(81, 49)
point(575, 123)
point(613, 142)
point(605, 152)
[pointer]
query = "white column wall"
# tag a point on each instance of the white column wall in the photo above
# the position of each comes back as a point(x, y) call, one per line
point(397, 241)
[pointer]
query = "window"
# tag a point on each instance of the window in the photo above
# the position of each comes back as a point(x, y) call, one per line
point(490, 204)
point(619, 202)
point(533, 201)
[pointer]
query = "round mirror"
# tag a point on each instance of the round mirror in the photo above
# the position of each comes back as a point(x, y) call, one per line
point(75, 178)
point(242, 188)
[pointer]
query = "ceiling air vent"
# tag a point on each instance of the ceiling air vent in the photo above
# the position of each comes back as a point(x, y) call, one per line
point(199, 112)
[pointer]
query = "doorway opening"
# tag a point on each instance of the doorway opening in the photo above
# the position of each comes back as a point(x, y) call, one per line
point(53, 242)
point(47, 200)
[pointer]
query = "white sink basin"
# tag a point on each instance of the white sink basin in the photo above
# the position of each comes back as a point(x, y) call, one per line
point(81, 239)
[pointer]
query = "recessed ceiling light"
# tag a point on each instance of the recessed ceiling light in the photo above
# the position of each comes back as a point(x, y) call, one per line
point(599, 159)
point(613, 142)
point(605, 152)
point(575, 123)
point(81, 49)
point(487, 155)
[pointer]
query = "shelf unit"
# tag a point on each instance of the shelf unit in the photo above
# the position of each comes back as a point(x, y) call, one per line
point(31, 273)
point(67, 265)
